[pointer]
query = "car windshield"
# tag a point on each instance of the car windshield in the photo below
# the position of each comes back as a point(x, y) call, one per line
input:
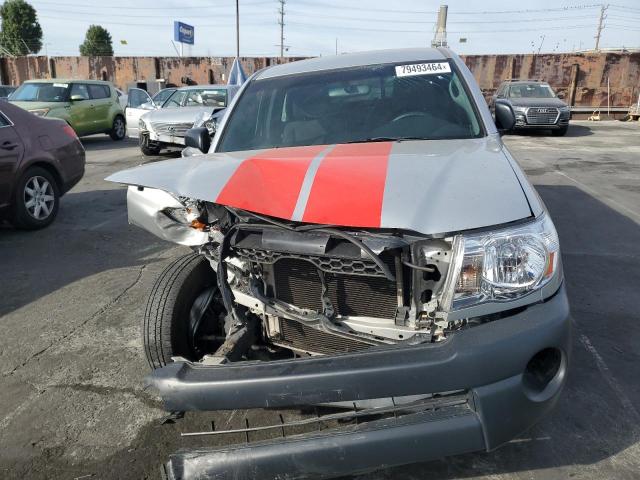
point(160, 97)
point(531, 90)
point(205, 97)
point(41, 92)
point(368, 103)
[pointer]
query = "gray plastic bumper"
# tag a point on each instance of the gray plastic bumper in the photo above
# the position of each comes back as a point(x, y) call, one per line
point(488, 361)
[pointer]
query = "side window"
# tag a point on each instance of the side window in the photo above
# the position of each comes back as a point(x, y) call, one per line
point(99, 91)
point(137, 97)
point(500, 91)
point(79, 91)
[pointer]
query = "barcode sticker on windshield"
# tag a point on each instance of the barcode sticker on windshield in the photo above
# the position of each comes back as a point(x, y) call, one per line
point(422, 69)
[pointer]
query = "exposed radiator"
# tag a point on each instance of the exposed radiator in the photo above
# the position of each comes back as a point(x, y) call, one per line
point(297, 282)
point(301, 337)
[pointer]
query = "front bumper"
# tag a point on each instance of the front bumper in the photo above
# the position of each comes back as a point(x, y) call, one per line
point(487, 361)
point(166, 139)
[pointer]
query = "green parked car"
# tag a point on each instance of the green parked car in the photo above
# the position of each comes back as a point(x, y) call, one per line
point(89, 106)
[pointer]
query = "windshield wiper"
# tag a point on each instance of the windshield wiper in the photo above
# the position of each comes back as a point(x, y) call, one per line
point(386, 139)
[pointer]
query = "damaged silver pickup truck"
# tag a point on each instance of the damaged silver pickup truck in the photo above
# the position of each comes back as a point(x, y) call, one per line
point(361, 238)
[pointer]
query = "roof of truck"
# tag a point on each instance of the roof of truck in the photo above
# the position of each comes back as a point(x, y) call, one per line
point(335, 62)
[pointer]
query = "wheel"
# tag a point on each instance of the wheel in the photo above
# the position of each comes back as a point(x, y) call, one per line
point(119, 129)
point(147, 147)
point(149, 151)
point(184, 316)
point(560, 132)
point(36, 200)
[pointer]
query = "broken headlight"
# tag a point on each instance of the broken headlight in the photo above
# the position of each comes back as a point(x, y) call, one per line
point(504, 265)
point(190, 215)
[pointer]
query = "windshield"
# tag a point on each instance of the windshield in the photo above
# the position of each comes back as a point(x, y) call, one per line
point(531, 90)
point(352, 105)
point(41, 92)
point(160, 97)
point(205, 97)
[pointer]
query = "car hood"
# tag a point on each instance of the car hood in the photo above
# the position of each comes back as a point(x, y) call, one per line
point(38, 105)
point(424, 186)
point(176, 115)
point(537, 102)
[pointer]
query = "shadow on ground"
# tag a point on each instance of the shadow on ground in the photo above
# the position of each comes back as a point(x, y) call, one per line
point(574, 131)
point(90, 235)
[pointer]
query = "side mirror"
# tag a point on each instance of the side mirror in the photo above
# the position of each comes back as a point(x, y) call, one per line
point(505, 118)
point(560, 95)
point(198, 138)
point(77, 98)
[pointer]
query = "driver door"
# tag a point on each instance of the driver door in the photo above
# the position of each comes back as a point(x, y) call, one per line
point(81, 109)
point(138, 103)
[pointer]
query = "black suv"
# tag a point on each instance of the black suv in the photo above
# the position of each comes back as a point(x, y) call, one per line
point(535, 105)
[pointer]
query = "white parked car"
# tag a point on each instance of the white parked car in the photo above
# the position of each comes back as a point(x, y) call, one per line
point(165, 127)
point(140, 102)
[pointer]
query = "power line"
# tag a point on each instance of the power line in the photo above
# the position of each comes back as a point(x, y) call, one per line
point(422, 22)
point(348, 27)
point(153, 7)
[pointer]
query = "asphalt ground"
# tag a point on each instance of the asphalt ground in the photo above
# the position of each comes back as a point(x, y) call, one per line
point(72, 403)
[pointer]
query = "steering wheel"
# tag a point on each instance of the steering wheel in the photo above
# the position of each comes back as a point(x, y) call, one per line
point(409, 114)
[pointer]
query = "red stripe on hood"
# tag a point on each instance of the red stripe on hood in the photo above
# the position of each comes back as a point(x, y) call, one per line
point(349, 186)
point(269, 182)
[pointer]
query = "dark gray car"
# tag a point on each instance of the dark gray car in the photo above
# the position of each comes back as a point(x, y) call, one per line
point(535, 105)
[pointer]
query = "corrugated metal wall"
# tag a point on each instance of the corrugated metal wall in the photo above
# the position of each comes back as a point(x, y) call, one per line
point(581, 77)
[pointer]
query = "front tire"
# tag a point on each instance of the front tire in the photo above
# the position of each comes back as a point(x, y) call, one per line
point(166, 328)
point(147, 147)
point(149, 151)
point(37, 199)
point(119, 128)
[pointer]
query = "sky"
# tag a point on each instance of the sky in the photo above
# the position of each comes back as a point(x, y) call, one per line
point(317, 27)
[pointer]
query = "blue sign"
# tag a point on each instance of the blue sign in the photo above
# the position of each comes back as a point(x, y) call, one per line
point(183, 33)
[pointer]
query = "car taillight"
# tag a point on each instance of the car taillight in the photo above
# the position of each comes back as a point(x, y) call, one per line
point(70, 131)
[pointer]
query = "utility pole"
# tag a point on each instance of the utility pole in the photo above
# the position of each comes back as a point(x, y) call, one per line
point(440, 37)
point(603, 9)
point(281, 23)
point(237, 29)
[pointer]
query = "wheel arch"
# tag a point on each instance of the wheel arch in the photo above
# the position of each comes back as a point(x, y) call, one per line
point(49, 167)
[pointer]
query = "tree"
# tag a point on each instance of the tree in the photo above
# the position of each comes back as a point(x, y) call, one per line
point(21, 33)
point(97, 42)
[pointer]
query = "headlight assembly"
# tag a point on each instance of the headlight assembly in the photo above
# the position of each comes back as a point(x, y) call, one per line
point(142, 125)
point(520, 109)
point(564, 109)
point(503, 265)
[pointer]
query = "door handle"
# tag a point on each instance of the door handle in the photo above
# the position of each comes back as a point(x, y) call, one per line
point(8, 145)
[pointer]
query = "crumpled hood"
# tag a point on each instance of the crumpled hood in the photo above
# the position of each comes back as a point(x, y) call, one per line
point(176, 115)
point(425, 186)
point(537, 102)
